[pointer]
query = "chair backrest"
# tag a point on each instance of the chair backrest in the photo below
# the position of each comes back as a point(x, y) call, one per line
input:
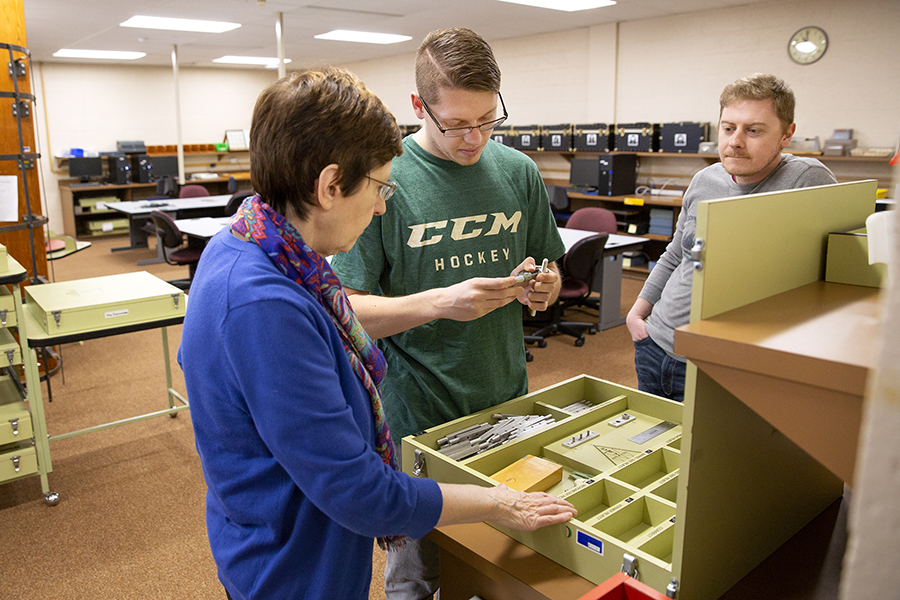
point(593, 218)
point(581, 261)
point(193, 190)
point(169, 233)
point(236, 200)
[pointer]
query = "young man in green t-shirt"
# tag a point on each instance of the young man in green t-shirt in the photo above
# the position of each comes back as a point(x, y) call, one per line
point(433, 279)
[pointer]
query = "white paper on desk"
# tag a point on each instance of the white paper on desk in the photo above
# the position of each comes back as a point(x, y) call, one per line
point(9, 198)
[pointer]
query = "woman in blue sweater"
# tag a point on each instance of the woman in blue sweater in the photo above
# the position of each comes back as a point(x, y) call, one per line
point(283, 380)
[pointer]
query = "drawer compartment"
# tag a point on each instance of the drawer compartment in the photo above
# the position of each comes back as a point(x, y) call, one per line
point(17, 461)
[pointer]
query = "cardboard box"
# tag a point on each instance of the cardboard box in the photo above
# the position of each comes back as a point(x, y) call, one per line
point(103, 302)
point(847, 260)
point(529, 474)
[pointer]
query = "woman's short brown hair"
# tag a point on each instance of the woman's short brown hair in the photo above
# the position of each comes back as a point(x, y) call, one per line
point(761, 87)
point(455, 58)
point(308, 120)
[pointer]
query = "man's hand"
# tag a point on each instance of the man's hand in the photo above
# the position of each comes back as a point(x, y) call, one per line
point(476, 297)
point(538, 293)
point(635, 321)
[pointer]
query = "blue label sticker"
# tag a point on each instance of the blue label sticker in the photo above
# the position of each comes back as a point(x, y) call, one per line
point(591, 543)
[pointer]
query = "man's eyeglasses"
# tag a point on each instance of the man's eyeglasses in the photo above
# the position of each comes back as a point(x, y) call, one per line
point(461, 131)
point(385, 188)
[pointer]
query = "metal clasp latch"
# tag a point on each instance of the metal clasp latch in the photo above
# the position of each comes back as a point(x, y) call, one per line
point(57, 314)
point(14, 423)
point(15, 462)
point(11, 356)
point(419, 464)
point(696, 254)
point(630, 566)
point(672, 589)
point(3, 316)
point(175, 298)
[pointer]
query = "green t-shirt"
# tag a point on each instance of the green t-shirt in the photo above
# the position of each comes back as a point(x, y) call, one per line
point(445, 224)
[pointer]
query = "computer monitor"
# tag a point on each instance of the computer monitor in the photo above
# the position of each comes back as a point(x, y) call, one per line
point(163, 166)
point(85, 167)
point(584, 172)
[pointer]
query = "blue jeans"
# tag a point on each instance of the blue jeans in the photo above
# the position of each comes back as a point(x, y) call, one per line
point(657, 372)
point(413, 572)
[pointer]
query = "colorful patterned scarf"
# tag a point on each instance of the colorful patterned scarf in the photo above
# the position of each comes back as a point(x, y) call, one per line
point(256, 221)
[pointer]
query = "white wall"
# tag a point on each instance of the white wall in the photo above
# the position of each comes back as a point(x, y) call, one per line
point(94, 106)
point(658, 70)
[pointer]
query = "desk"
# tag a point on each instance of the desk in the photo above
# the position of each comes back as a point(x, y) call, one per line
point(610, 286)
point(138, 213)
point(476, 559)
point(814, 345)
point(202, 228)
point(38, 339)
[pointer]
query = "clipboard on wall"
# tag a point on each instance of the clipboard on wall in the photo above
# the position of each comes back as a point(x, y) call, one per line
point(237, 139)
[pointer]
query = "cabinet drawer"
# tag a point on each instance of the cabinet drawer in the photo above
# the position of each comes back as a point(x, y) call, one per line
point(7, 307)
point(17, 461)
point(10, 352)
point(15, 423)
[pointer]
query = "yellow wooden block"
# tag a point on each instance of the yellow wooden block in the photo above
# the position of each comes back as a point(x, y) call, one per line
point(530, 474)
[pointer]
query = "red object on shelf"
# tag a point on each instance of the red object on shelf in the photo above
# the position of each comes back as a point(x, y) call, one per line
point(622, 587)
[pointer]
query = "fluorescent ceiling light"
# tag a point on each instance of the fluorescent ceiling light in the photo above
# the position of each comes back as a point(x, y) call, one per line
point(343, 35)
point(566, 5)
point(250, 60)
point(104, 54)
point(170, 24)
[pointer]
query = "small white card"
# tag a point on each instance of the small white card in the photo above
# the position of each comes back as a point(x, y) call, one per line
point(9, 198)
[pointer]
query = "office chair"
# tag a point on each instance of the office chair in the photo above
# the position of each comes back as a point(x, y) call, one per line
point(168, 234)
point(580, 266)
point(593, 218)
point(193, 190)
point(236, 200)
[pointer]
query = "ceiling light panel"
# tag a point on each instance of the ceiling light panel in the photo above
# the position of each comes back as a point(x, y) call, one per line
point(170, 24)
point(565, 5)
point(365, 37)
point(101, 54)
point(249, 60)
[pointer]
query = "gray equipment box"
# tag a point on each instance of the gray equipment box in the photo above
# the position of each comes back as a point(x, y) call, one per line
point(103, 302)
point(682, 137)
point(504, 135)
point(557, 138)
point(527, 137)
point(591, 137)
point(636, 137)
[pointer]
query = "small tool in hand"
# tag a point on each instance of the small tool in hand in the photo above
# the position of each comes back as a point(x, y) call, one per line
point(543, 269)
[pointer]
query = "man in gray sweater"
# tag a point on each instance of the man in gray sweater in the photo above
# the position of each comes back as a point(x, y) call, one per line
point(756, 122)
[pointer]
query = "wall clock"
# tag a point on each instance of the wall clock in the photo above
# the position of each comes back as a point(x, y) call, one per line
point(808, 45)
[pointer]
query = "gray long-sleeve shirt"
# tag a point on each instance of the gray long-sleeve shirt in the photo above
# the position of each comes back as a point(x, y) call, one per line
point(668, 287)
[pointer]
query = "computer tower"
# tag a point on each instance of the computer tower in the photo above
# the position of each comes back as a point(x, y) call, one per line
point(618, 174)
point(119, 170)
point(141, 168)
